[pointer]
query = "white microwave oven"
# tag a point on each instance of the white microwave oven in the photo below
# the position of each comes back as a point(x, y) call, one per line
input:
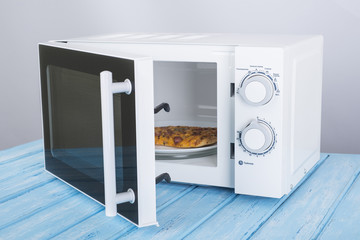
point(100, 95)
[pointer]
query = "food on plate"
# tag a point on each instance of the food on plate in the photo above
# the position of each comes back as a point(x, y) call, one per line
point(185, 136)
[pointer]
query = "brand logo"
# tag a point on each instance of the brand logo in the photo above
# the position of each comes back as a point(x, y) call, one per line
point(247, 163)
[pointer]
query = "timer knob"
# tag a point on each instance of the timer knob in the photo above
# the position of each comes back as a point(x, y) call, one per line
point(256, 89)
point(258, 137)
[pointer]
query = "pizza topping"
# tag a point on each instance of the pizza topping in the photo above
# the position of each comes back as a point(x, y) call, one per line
point(185, 137)
point(177, 140)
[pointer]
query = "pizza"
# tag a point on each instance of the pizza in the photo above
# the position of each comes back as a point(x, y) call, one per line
point(185, 136)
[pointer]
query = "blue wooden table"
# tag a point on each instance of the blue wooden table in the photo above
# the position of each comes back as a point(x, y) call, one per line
point(35, 205)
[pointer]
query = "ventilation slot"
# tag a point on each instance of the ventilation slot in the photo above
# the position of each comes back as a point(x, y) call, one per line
point(232, 150)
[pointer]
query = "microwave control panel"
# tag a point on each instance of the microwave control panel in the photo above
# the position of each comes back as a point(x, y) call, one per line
point(258, 121)
point(256, 89)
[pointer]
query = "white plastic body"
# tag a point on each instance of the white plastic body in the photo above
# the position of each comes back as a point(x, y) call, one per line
point(294, 111)
point(107, 88)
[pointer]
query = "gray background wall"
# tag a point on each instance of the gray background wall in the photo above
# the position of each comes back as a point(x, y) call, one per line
point(24, 24)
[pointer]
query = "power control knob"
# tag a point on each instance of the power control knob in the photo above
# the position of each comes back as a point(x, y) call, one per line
point(257, 89)
point(258, 137)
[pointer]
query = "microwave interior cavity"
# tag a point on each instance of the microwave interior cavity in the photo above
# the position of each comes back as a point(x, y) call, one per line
point(190, 91)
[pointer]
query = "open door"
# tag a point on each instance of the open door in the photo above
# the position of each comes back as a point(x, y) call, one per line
point(81, 131)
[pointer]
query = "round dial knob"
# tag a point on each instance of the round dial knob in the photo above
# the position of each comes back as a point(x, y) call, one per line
point(257, 89)
point(258, 137)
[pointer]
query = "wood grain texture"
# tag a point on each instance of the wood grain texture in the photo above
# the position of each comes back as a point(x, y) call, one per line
point(35, 205)
point(13, 188)
point(101, 227)
point(28, 204)
point(300, 215)
point(53, 220)
point(251, 213)
point(16, 153)
point(235, 223)
point(28, 165)
point(182, 214)
point(344, 221)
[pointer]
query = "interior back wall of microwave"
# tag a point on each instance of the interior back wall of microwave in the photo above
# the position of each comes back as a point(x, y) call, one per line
point(38, 21)
point(190, 90)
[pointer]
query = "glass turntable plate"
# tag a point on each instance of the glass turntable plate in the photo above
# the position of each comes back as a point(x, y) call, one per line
point(168, 153)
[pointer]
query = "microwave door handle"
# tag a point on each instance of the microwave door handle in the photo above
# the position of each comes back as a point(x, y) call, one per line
point(107, 89)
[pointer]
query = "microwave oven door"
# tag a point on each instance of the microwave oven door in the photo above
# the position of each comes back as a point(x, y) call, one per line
point(73, 119)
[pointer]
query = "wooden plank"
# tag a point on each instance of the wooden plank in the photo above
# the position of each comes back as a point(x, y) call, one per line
point(236, 218)
point(13, 188)
point(28, 204)
point(49, 222)
point(300, 215)
point(16, 153)
point(169, 193)
point(344, 222)
point(27, 164)
point(101, 227)
point(97, 226)
point(243, 216)
point(182, 214)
